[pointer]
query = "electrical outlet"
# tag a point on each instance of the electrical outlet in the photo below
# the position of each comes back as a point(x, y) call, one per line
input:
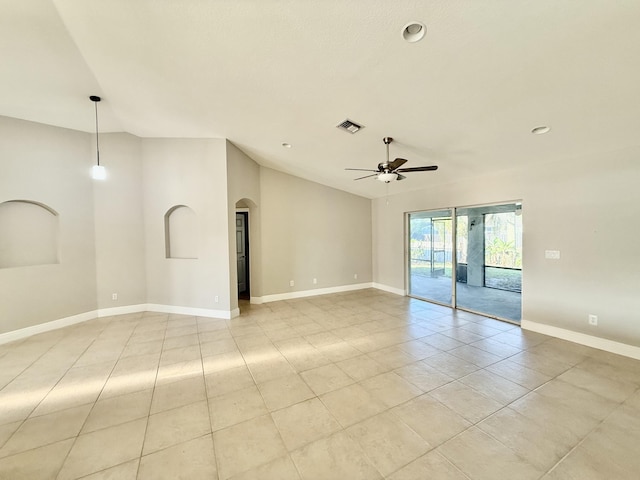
point(291, 283)
point(215, 299)
point(552, 254)
point(315, 281)
point(593, 320)
point(114, 296)
point(355, 276)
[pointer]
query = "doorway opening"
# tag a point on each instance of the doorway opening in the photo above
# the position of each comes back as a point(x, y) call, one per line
point(242, 252)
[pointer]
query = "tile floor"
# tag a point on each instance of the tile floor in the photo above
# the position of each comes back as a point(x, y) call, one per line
point(363, 385)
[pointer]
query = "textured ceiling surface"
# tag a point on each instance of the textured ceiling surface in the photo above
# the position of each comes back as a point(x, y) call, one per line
point(264, 72)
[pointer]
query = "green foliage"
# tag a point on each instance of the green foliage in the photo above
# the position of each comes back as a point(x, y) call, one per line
point(502, 253)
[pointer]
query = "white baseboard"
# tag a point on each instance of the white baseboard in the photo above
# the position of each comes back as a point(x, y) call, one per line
point(197, 312)
point(153, 307)
point(387, 288)
point(583, 339)
point(309, 293)
point(107, 312)
point(47, 327)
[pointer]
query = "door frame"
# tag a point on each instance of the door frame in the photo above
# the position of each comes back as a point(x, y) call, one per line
point(407, 257)
point(247, 250)
point(454, 232)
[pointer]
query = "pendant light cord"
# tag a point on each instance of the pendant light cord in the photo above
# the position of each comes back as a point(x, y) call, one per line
point(97, 141)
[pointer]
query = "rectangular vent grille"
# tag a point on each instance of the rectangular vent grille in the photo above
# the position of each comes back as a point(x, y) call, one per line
point(349, 126)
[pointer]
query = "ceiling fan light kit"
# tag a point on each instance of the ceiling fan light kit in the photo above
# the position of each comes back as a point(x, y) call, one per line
point(387, 177)
point(390, 171)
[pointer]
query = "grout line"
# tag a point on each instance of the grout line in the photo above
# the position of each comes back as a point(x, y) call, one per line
point(300, 318)
point(96, 321)
point(582, 440)
point(153, 393)
point(206, 395)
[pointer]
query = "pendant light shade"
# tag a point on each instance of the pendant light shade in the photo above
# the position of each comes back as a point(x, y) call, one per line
point(98, 172)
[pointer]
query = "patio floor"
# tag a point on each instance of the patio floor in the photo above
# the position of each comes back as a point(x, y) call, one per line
point(489, 301)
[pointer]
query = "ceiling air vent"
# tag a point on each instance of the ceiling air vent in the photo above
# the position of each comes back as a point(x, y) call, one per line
point(349, 126)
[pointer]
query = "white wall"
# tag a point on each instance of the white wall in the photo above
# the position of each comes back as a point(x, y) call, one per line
point(119, 225)
point(312, 231)
point(111, 235)
point(112, 232)
point(585, 207)
point(191, 172)
point(52, 166)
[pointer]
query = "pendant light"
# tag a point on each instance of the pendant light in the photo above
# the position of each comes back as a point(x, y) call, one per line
point(98, 172)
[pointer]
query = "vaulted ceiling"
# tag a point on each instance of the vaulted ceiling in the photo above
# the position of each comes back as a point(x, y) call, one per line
point(266, 72)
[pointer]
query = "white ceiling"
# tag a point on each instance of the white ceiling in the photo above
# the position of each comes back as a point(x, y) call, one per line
point(264, 72)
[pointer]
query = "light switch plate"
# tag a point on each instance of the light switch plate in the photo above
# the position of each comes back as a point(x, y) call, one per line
point(552, 254)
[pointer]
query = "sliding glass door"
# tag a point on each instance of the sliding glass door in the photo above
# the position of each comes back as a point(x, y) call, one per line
point(430, 260)
point(489, 260)
point(487, 277)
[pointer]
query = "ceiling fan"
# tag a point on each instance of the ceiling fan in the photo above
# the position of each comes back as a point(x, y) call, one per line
point(389, 171)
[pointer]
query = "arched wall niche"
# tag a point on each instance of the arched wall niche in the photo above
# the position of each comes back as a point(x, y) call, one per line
point(181, 233)
point(29, 234)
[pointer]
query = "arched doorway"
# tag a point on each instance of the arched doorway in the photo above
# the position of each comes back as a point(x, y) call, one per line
point(245, 276)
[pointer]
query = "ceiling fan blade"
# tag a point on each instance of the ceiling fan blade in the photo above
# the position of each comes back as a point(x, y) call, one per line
point(418, 169)
point(366, 176)
point(388, 170)
point(397, 163)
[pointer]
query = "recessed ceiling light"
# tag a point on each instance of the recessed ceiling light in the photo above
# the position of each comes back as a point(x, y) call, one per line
point(286, 145)
point(541, 130)
point(414, 31)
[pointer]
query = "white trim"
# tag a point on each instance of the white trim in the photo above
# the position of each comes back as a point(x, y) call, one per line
point(197, 312)
point(256, 300)
point(583, 339)
point(47, 326)
point(309, 293)
point(108, 312)
point(387, 288)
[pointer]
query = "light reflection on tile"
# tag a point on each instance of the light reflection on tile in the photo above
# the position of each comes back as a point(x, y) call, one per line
point(353, 385)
